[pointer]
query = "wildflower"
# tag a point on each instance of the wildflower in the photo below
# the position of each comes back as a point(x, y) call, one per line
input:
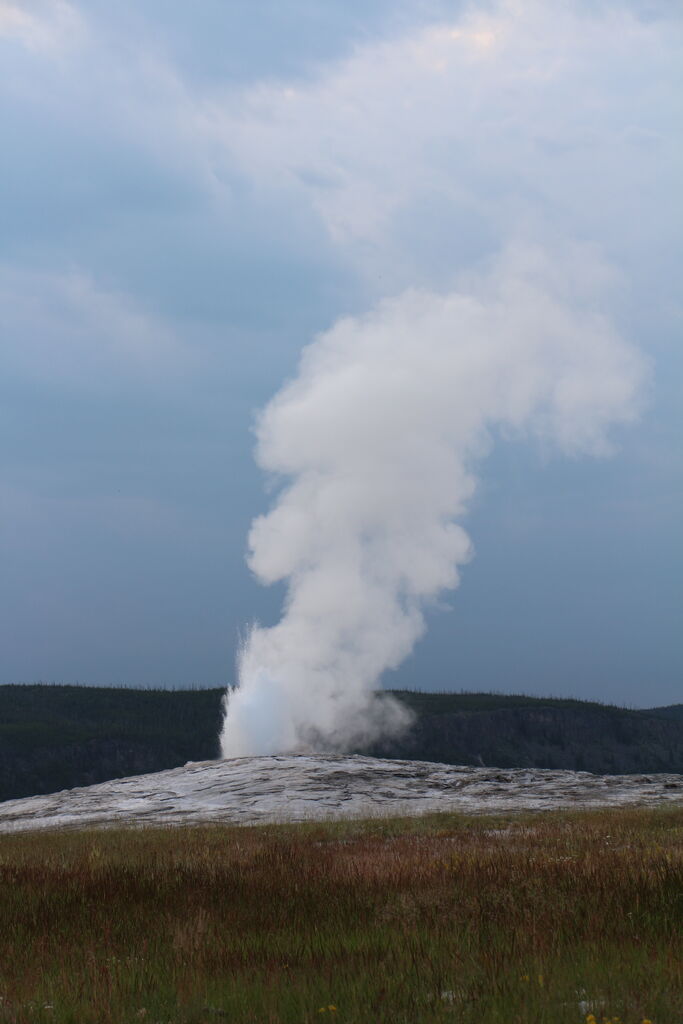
point(525, 977)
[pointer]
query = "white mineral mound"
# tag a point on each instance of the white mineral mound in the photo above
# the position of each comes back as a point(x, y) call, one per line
point(306, 787)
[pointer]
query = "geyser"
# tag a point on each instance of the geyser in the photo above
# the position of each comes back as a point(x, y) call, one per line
point(375, 441)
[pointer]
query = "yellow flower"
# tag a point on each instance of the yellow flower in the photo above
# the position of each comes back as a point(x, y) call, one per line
point(525, 977)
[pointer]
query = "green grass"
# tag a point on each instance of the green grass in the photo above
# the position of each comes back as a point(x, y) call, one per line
point(544, 918)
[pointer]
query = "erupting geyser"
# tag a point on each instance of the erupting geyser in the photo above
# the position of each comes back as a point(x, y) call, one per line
point(376, 439)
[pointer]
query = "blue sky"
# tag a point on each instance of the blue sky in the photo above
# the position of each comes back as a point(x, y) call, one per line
point(187, 196)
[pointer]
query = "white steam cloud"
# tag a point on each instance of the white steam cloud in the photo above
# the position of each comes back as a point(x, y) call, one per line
point(377, 438)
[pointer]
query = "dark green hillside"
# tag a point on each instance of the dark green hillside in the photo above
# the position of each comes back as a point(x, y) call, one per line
point(452, 703)
point(511, 731)
point(57, 737)
point(670, 711)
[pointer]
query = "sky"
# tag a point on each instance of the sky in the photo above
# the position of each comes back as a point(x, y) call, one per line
point(190, 194)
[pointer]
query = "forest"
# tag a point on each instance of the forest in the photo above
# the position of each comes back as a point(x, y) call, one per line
point(56, 737)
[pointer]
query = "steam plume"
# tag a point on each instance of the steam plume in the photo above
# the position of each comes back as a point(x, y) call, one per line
point(376, 439)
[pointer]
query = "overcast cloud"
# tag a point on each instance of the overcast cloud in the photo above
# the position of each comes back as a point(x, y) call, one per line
point(188, 197)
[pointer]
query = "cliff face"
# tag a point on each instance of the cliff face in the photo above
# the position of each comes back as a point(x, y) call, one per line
point(59, 737)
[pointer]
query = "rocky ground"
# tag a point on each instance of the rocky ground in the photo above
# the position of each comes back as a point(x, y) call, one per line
point(309, 787)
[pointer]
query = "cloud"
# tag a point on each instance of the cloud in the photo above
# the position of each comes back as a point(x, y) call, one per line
point(69, 332)
point(416, 154)
point(188, 198)
point(44, 26)
point(518, 118)
point(110, 166)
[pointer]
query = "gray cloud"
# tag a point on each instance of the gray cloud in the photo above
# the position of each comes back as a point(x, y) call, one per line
point(188, 199)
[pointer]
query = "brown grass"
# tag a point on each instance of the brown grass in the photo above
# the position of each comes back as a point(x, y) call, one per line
point(444, 918)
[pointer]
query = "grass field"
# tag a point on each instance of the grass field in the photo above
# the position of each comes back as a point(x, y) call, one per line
point(548, 918)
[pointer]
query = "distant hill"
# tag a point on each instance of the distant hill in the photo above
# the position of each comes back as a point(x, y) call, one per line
point(58, 737)
point(670, 711)
point(511, 731)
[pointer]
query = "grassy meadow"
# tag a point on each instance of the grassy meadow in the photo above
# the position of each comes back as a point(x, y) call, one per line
point(547, 919)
